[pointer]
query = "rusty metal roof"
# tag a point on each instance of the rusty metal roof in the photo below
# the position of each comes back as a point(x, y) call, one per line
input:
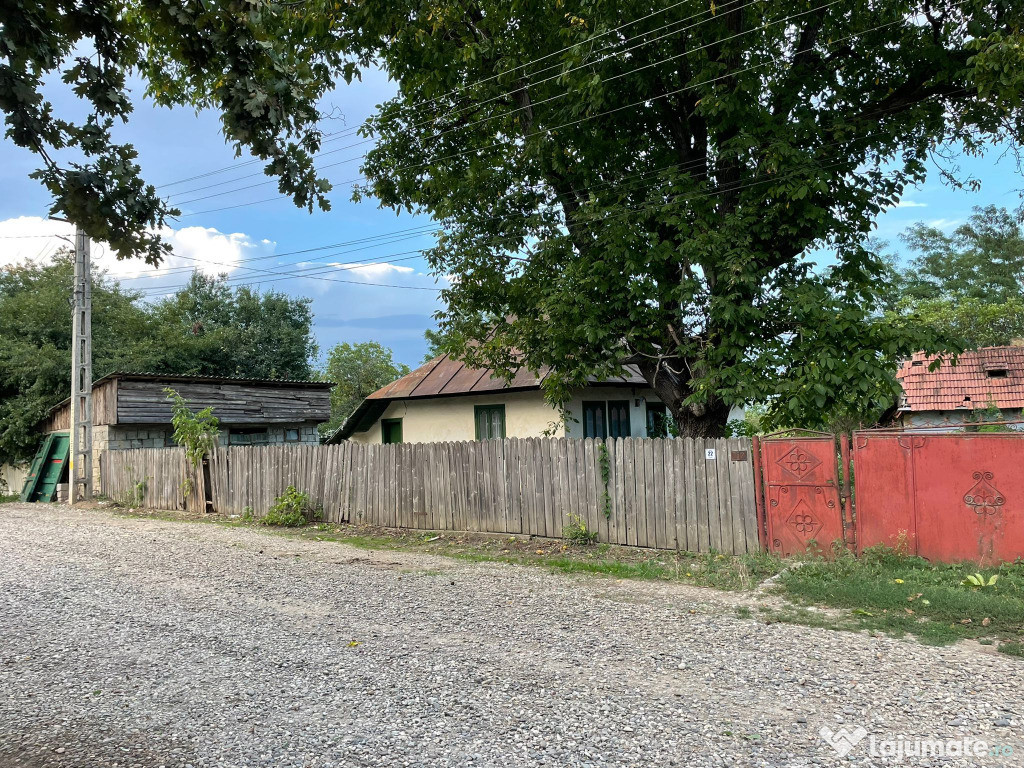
point(444, 376)
point(979, 377)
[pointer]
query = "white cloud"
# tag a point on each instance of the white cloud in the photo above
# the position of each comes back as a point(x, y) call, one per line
point(204, 248)
point(373, 271)
point(910, 204)
point(943, 223)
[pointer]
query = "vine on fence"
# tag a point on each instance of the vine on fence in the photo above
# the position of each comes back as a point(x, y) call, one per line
point(606, 473)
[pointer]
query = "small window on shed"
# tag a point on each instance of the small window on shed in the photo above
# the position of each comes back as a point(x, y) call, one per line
point(248, 437)
point(996, 373)
point(291, 435)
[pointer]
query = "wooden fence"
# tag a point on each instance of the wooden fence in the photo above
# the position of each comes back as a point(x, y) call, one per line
point(151, 477)
point(695, 495)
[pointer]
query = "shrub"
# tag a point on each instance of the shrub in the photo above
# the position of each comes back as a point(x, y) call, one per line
point(292, 509)
point(577, 532)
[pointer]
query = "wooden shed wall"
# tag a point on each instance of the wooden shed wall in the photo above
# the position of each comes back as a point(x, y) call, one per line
point(144, 402)
point(104, 409)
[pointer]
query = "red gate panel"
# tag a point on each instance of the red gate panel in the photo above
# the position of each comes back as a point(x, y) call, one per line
point(801, 493)
point(955, 496)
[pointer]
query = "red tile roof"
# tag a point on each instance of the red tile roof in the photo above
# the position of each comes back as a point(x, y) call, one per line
point(444, 376)
point(973, 382)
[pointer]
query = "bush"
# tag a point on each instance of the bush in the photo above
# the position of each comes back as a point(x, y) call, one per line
point(577, 532)
point(292, 509)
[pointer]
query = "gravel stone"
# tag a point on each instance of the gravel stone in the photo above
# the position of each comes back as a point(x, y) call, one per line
point(138, 642)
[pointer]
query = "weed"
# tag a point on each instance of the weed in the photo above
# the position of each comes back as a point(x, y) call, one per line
point(577, 531)
point(248, 515)
point(887, 590)
point(1011, 648)
point(744, 612)
point(292, 509)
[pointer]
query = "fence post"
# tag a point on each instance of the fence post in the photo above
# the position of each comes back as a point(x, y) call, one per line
point(762, 520)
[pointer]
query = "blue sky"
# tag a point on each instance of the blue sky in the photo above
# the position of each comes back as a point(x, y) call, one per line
point(177, 144)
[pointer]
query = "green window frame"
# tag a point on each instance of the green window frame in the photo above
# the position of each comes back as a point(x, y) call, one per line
point(618, 418)
point(390, 431)
point(490, 422)
point(595, 419)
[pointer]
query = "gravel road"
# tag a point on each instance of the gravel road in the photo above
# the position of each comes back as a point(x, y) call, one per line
point(128, 642)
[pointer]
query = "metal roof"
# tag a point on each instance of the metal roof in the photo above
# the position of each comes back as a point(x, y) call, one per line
point(978, 377)
point(445, 377)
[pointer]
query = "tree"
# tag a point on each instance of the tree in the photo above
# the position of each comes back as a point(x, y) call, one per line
point(357, 370)
point(206, 328)
point(651, 194)
point(972, 323)
point(210, 328)
point(35, 343)
point(983, 259)
point(262, 65)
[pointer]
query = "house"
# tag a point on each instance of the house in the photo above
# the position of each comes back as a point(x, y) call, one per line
point(445, 400)
point(981, 380)
point(131, 410)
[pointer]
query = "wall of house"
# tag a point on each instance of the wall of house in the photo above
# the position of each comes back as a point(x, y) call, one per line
point(449, 419)
point(948, 421)
point(446, 419)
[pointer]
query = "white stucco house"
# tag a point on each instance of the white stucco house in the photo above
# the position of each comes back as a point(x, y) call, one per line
point(445, 400)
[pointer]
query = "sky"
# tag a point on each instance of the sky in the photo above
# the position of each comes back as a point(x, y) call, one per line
point(235, 231)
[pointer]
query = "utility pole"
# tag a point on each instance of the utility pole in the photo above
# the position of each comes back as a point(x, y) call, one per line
point(80, 480)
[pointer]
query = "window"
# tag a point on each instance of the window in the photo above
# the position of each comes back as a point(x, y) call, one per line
point(291, 435)
point(996, 373)
point(618, 418)
point(490, 422)
point(594, 421)
point(657, 420)
point(390, 431)
point(248, 437)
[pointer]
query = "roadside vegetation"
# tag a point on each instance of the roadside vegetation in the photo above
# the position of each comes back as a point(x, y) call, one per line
point(884, 591)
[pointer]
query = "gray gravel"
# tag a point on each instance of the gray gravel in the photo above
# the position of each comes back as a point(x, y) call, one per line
point(128, 642)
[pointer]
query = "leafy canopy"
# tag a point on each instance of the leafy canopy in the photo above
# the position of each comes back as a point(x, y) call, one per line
point(654, 195)
point(263, 65)
point(357, 370)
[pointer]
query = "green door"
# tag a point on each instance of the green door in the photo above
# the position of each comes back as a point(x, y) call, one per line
point(48, 468)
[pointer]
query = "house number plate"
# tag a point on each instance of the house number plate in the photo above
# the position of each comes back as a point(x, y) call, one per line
point(709, 454)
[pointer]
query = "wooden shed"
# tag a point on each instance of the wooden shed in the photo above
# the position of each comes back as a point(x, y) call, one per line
point(131, 410)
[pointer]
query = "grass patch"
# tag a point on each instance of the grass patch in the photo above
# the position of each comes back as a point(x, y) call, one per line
point(887, 591)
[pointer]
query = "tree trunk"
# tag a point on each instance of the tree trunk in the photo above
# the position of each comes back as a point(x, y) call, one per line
point(700, 420)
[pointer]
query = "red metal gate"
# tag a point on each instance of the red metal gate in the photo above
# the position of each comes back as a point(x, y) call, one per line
point(802, 500)
point(952, 497)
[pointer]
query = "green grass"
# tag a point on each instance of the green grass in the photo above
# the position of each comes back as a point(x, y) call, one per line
point(884, 591)
point(7, 498)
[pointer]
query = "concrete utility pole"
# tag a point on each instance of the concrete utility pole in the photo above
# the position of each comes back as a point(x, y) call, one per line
point(80, 481)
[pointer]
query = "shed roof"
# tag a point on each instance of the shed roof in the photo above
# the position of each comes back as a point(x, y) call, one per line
point(446, 377)
point(977, 378)
point(189, 379)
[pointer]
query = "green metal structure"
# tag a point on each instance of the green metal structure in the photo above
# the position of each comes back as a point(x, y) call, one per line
point(48, 468)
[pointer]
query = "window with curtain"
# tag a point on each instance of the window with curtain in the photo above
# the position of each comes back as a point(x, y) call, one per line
point(595, 423)
point(490, 422)
point(618, 418)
